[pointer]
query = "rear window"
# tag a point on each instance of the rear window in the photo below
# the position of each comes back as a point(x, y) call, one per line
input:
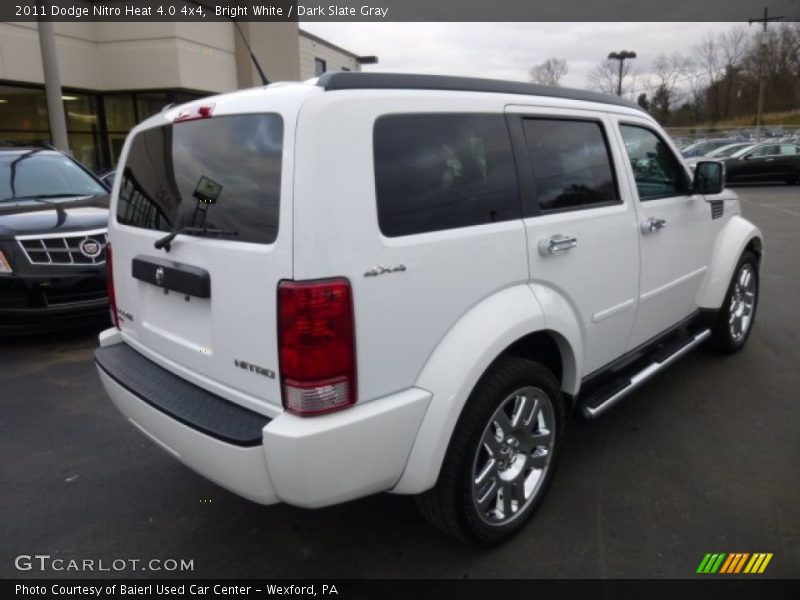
point(443, 171)
point(222, 173)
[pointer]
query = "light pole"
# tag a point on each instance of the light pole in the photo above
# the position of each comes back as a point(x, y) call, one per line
point(761, 66)
point(621, 56)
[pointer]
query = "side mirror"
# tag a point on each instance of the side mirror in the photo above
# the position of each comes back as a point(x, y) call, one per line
point(709, 177)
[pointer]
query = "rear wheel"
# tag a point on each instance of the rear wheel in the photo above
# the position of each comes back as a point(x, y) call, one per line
point(734, 320)
point(502, 454)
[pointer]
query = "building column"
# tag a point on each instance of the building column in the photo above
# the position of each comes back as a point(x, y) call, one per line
point(52, 86)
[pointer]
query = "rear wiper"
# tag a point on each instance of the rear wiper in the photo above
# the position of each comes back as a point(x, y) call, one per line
point(166, 241)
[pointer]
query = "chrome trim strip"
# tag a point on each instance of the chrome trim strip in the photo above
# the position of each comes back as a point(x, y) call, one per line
point(64, 237)
point(613, 310)
point(643, 375)
point(67, 234)
point(672, 284)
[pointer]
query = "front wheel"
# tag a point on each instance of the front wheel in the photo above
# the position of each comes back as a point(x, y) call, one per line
point(502, 454)
point(734, 320)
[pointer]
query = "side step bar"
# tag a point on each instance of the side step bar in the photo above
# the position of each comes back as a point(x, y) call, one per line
point(660, 361)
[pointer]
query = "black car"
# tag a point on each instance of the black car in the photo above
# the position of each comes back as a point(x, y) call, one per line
point(770, 161)
point(53, 223)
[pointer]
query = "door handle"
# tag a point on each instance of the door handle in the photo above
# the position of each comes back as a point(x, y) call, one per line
point(557, 244)
point(769, 160)
point(653, 224)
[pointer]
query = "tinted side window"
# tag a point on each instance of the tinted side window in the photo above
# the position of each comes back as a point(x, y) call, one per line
point(571, 164)
point(765, 151)
point(657, 172)
point(442, 171)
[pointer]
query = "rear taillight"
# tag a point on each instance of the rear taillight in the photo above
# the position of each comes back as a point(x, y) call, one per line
point(316, 336)
point(112, 296)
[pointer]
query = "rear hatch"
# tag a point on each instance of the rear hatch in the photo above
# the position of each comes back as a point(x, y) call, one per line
point(204, 305)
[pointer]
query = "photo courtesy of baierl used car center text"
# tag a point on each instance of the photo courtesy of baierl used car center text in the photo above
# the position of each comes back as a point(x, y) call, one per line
point(393, 298)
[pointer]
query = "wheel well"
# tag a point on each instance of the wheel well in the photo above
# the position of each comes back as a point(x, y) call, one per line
point(755, 247)
point(541, 347)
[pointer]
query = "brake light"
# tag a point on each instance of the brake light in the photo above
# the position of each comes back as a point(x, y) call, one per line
point(202, 111)
point(112, 296)
point(316, 334)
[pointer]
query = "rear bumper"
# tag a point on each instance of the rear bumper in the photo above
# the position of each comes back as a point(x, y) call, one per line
point(308, 462)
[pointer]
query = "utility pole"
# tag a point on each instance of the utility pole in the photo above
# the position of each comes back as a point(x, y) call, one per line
point(621, 56)
point(761, 51)
point(52, 86)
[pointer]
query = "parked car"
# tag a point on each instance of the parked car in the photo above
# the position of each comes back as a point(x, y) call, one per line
point(702, 147)
point(107, 177)
point(682, 142)
point(720, 153)
point(53, 221)
point(770, 161)
point(404, 283)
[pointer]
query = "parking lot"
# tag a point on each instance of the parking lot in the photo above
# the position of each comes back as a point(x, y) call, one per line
point(702, 459)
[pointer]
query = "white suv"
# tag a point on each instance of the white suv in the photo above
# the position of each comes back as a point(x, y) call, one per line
point(377, 282)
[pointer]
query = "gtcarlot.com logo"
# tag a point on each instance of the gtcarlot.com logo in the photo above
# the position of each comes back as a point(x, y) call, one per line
point(734, 562)
point(45, 562)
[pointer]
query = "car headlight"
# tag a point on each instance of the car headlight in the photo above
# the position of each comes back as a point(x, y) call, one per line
point(5, 266)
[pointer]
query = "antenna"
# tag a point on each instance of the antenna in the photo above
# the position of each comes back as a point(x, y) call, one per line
point(264, 79)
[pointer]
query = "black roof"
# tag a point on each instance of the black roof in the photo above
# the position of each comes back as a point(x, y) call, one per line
point(401, 81)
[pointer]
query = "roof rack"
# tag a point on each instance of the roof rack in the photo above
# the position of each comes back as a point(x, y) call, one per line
point(373, 81)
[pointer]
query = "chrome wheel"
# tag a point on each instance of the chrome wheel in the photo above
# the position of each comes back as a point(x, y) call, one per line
point(743, 300)
point(513, 456)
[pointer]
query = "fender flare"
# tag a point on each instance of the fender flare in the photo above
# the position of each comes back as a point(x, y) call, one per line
point(728, 247)
point(462, 357)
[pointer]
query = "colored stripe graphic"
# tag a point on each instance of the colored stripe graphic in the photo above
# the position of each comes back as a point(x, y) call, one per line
point(727, 564)
point(703, 563)
point(765, 563)
point(711, 563)
point(734, 563)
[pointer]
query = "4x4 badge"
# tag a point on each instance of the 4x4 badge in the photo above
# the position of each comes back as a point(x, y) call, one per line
point(383, 269)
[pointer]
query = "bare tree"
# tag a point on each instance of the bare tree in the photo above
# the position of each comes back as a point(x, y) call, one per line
point(550, 72)
point(697, 82)
point(664, 91)
point(605, 77)
point(712, 63)
point(733, 45)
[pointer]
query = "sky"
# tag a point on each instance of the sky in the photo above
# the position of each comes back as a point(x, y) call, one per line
point(509, 50)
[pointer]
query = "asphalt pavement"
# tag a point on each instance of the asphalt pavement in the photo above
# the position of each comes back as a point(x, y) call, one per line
point(704, 458)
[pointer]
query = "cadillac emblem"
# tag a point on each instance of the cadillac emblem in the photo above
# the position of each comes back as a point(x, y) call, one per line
point(90, 248)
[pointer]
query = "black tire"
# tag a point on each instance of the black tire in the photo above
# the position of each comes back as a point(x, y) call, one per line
point(451, 505)
point(723, 336)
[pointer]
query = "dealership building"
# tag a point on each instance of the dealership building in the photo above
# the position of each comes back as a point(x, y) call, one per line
point(114, 75)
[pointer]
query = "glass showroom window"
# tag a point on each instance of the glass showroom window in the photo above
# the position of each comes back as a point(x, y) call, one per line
point(23, 114)
point(83, 128)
